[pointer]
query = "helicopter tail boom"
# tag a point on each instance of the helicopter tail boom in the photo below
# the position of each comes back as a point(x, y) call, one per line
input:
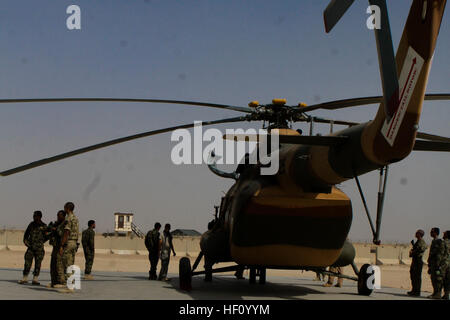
point(389, 140)
point(372, 145)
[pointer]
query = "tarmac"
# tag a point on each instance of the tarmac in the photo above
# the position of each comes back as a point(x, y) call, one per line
point(136, 286)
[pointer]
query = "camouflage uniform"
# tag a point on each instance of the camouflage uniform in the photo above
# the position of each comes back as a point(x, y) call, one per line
point(34, 239)
point(152, 243)
point(436, 264)
point(416, 265)
point(56, 264)
point(447, 272)
point(165, 254)
point(71, 247)
point(87, 240)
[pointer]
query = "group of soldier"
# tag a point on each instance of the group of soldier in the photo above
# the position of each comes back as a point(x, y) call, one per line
point(438, 264)
point(63, 237)
point(159, 246)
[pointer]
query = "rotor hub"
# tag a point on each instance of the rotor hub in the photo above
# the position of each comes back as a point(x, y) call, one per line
point(277, 113)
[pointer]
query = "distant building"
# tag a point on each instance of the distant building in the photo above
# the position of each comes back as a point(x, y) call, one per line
point(123, 222)
point(185, 233)
point(124, 226)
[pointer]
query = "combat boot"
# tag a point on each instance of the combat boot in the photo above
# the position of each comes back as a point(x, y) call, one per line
point(413, 294)
point(88, 277)
point(434, 296)
point(24, 280)
point(328, 284)
point(35, 281)
point(66, 290)
point(446, 296)
point(59, 286)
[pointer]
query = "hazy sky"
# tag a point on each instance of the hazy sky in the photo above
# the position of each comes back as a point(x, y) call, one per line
point(227, 52)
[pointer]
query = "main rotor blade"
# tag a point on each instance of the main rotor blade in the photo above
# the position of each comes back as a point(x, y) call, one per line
point(334, 12)
point(291, 139)
point(313, 140)
point(112, 142)
point(386, 59)
point(353, 102)
point(192, 103)
point(422, 145)
point(432, 137)
point(340, 122)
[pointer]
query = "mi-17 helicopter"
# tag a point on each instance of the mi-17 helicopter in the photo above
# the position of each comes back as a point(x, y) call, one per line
point(270, 221)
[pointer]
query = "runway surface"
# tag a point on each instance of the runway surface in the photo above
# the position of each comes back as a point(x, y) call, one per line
point(135, 286)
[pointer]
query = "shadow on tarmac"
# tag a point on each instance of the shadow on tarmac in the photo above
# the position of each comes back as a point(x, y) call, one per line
point(231, 288)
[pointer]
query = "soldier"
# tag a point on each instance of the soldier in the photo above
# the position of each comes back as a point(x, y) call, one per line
point(153, 245)
point(447, 272)
point(436, 263)
point(56, 267)
point(330, 281)
point(166, 247)
point(87, 240)
point(415, 271)
point(34, 238)
point(69, 243)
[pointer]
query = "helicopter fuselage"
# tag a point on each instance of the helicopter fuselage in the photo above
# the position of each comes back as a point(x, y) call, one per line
point(264, 223)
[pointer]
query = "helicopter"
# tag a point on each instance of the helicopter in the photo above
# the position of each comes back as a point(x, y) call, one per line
point(269, 221)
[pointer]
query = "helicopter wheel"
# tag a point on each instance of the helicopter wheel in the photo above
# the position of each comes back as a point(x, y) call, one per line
point(363, 277)
point(262, 276)
point(252, 276)
point(185, 274)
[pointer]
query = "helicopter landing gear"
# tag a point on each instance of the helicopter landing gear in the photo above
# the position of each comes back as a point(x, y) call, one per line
point(260, 272)
point(208, 274)
point(252, 276)
point(262, 276)
point(364, 288)
point(185, 274)
point(381, 195)
point(208, 270)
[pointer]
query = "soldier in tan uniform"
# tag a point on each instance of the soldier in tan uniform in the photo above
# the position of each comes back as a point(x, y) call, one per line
point(69, 243)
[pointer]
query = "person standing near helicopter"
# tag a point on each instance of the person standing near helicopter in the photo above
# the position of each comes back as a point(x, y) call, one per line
point(415, 270)
point(34, 238)
point(447, 271)
point(153, 245)
point(436, 263)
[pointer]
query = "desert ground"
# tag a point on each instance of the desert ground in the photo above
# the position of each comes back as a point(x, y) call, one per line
point(392, 276)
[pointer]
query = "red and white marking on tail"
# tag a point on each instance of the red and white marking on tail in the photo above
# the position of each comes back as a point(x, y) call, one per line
point(408, 78)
